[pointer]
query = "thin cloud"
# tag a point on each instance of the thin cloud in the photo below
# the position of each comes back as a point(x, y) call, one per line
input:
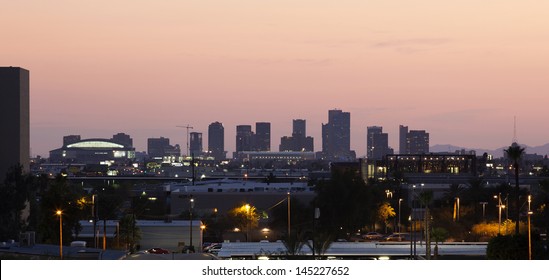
point(412, 45)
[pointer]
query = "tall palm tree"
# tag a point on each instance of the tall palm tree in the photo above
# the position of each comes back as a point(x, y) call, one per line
point(515, 153)
point(129, 232)
point(426, 197)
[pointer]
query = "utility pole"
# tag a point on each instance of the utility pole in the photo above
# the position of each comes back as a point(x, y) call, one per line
point(187, 127)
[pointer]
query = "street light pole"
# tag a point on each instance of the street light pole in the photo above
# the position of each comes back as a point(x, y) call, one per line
point(414, 238)
point(289, 227)
point(500, 205)
point(94, 214)
point(529, 232)
point(191, 224)
point(60, 214)
point(399, 202)
point(484, 210)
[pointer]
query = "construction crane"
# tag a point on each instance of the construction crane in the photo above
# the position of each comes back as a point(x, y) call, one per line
point(187, 127)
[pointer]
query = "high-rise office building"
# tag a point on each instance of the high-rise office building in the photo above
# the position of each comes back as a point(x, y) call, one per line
point(196, 143)
point(262, 141)
point(418, 142)
point(413, 141)
point(298, 142)
point(244, 138)
point(299, 128)
point(377, 143)
point(402, 139)
point(14, 119)
point(336, 136)
point(123, 139)
point(216, 140)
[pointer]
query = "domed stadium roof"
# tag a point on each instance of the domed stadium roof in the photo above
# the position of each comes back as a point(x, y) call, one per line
point(96, 144)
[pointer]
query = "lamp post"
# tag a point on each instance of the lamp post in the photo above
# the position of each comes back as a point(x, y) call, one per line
point(289, 224)
point(202, 228)
point(94, 215)
point(484, 209)
point(60, 214)
point(529, 232)
point(414, 236)
point(500, 205)
point(399, 202)
point(191, 223)
point(411, 236)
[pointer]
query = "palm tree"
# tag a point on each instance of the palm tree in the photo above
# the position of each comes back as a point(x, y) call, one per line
point(515, 153)
point(293, 243)
point(129, 232)
point(476, 193)
point(426, 198)
point(322, 242)
point(439, 235)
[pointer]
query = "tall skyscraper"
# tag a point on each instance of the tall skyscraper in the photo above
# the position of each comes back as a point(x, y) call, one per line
point(299, 128)
point(299, 141)
point(262, 136)
point(377, 143)
point(14, 119)
point(196, 143)
point(413, 141)
point(216, 140)
point(336, 136)
point(244, 138)
point(418, 142)
point(402, 139)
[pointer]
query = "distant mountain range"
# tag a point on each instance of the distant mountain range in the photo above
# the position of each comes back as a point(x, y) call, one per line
point(540, 150)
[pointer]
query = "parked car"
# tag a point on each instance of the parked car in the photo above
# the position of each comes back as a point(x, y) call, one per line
point(398, 237)
point(158, 251)
point(214, 248)
point(373, 236)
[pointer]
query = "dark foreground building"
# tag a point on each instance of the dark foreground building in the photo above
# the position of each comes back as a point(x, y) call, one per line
point(14, 118)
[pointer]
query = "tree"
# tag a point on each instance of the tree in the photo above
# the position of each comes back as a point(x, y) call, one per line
point(438, 235)
point(16, 193)
point(244, 217)
point(541, 212)
point(515, 247)
point(293, 243)
point(321, 242)
point(300, 220)
point(107, 206)
point(515, 153)
point(59, 195)
point(129, 232)
point(476, 193)
point(348, 202)
point(426, 197)
point(385, 212)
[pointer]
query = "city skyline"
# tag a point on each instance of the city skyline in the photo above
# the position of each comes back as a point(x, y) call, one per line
point(460, 71)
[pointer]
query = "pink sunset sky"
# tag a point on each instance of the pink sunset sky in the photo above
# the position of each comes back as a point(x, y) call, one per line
point(459, 69)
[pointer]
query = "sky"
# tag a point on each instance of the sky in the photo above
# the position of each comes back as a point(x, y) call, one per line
point(462, 70)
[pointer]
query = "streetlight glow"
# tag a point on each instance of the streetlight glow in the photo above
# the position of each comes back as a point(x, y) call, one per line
point(60, 214)
point(529, 231)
